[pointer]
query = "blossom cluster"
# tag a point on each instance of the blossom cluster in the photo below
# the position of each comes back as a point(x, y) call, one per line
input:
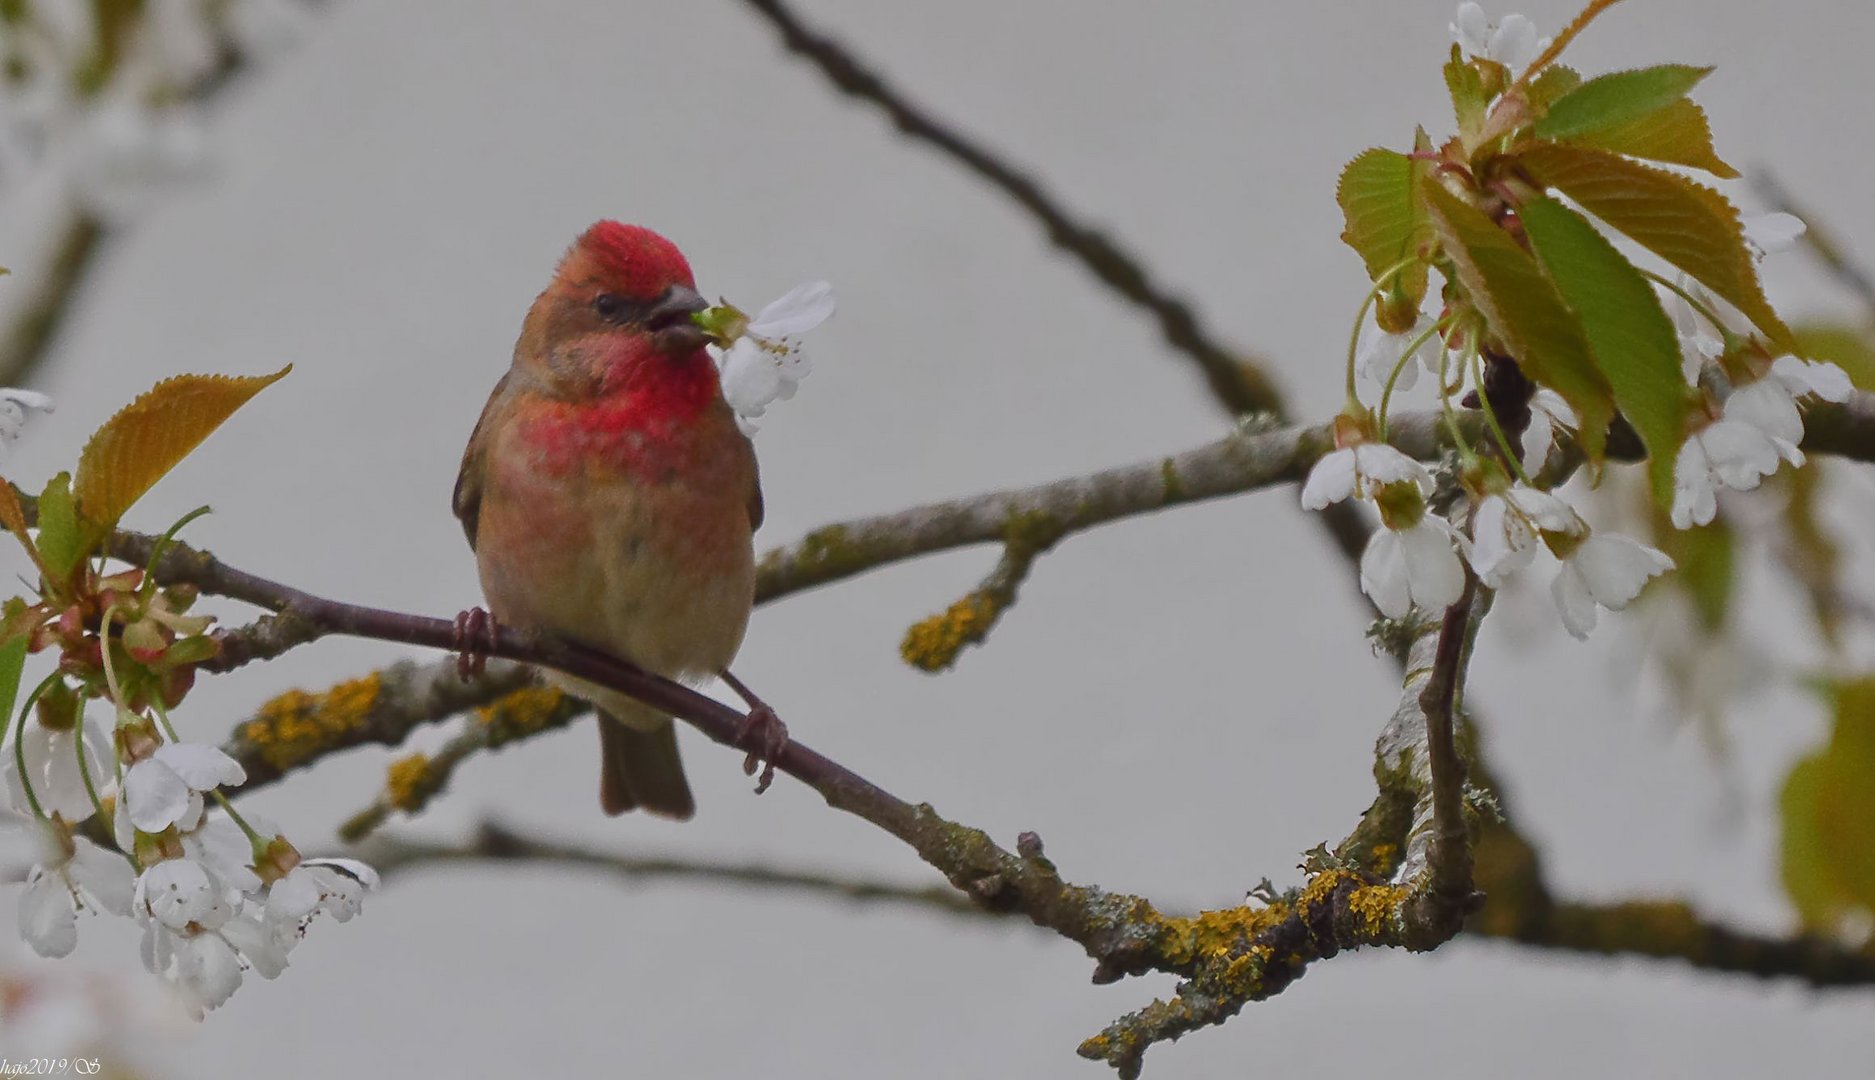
point(214, 895)
point(1751, 425)
point(113, 136)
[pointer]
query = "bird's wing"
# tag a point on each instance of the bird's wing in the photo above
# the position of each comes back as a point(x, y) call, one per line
point(467, 499)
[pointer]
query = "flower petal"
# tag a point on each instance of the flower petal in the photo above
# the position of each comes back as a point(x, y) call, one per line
point(259, 945)
point(750, 378)
point(1380, 464)
point(1694, 500)
point(1573, 601)
point(48, 916)
point(202, 767)
point(176, 892)
point(1471, 29)
point(1772, 233)
point(1330, 481)
point(156, 796)
point(1383, 574)
point(1740, 454)
point(1614, 567)
point(1433, 570)
point(208, 969)
point(1768, 406)
point(797, 311)
point(104, 876)
point(1802, 377)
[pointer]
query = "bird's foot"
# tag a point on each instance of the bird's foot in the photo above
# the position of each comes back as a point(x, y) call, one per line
point(762, 734)
point(474, 639)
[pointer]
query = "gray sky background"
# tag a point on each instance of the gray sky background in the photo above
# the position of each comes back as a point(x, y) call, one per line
point(1179, 705)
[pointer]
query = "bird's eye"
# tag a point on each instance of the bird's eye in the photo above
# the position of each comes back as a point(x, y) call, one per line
point(608, 306)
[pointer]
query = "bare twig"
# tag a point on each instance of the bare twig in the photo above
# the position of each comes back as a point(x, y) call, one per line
point(390, 855)
point(1241, 386)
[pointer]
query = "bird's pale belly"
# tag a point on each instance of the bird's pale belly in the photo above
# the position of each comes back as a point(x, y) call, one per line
point(661, 575)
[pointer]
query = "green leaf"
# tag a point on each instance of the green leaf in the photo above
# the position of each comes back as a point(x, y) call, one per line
point(1553, 82)
point(1689, 225)
point(1386, 224)
point(1614, 99)
point(1677, 134)
point(61, 541)
point(1524, 311)
point(1828, 809)
point(1848, 347)
point(149, 436)
point(1469, 97)
point(12, 663)
point(1629, 334)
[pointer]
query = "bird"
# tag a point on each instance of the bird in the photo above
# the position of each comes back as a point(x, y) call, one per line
point(611, 500)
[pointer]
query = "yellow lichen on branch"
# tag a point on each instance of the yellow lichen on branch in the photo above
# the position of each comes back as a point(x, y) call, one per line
point(933, 644)
point(297, 726)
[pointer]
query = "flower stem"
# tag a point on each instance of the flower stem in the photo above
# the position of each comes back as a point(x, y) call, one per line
point(1412, 348)
point(1360, 317)
point(1465, 452)
point(19, 745)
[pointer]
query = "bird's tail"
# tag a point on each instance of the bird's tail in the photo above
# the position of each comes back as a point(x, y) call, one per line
point(640, 769)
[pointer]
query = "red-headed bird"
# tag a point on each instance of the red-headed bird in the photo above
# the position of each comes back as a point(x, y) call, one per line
point(611, 499)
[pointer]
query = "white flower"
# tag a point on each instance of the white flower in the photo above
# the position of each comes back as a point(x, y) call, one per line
point(1360, 470)
point(13, 407)
point(1512, 42)
point(1729, 453)
point(1606, 569)
point(1414, 566)
point(1767, 406)
point(765, 362)
point(179, 893)
point(1549, 414)
point(166, 788)
point(72, 878)
point(1380, 353)
point(334, 886)
point(1507, 530)
point(1768, 234)
point(262, 944)
point(202, 964)
point(52, 770)
point(1770, 403)
point(1806, 378)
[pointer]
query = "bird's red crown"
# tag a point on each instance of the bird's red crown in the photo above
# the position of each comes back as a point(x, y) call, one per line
point(630, 258)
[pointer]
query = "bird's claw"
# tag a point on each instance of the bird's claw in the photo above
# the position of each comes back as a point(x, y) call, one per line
point(764, 736)
point(474, 640)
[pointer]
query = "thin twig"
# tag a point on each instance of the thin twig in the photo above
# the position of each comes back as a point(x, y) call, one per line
point(1240, 385)
point(390, 855)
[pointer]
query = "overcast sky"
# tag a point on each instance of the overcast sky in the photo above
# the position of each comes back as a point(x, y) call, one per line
point(1179, 705)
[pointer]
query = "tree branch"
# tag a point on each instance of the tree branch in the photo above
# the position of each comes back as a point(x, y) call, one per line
point(1656, 929)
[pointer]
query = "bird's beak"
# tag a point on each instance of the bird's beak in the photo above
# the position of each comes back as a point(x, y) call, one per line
point(669, 320)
